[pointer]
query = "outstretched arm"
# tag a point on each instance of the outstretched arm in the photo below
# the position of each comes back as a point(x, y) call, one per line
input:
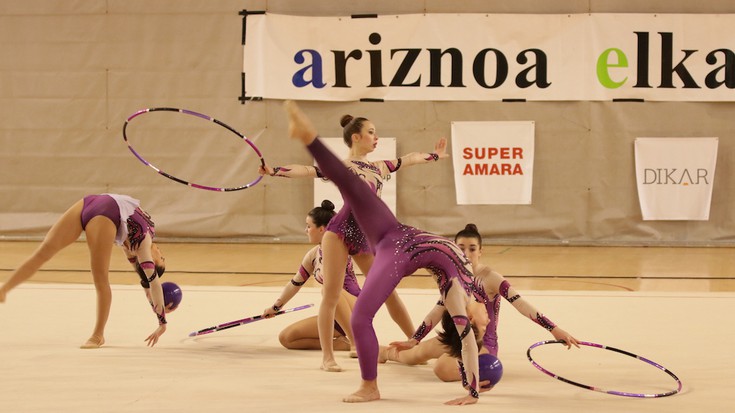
point(420, 354)
point(430, 321)
point(294, 285)
point(417, 158)
point(291, 171)
point(496, 282)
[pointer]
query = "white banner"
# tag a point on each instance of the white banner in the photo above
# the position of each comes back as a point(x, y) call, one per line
point(493, 162)
point(386, 149)
point(675, 177)
point(663, 57)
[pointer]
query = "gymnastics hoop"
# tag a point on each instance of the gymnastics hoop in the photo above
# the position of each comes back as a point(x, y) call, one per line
point(248, 320)
point(201, 116)
point(613, 392)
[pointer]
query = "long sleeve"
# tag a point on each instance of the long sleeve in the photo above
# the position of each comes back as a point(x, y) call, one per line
point(430, 321)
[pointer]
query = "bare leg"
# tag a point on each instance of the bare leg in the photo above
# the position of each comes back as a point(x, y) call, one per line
point(303, 335)
point(343, 317)
point(399, 314)
point(334, 261)
point(100, 238)
point(447, 369)
point(65, 231)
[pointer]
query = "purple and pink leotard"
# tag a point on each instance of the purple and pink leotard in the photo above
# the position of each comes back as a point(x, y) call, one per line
point(132, 223)
point(399, 251)
point(343, 223)
point(312, 264)
point(492, 304)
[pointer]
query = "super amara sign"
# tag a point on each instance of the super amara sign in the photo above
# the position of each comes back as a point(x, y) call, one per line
point(490, 57)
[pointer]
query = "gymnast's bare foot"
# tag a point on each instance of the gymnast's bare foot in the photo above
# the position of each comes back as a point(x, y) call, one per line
point(367, 392)
point(299, 125)
point(93, 342)
point(331, 366)
point(341, 343)
point(2, 295)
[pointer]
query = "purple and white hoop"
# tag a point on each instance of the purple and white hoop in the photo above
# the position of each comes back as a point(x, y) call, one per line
point(201, 116)
point(598, 389)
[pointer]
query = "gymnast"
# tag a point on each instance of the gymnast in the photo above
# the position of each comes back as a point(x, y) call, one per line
point(105, 219)
point(400, 250)
point(344, 238)
point(490, 288)
point(303, 334)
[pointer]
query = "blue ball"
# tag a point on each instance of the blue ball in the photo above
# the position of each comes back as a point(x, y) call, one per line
point(490, 369)
point(171, 295)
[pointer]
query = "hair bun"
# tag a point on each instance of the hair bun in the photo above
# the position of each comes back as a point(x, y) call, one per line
point(328, 205)
point(346, 119)
point(471, 227)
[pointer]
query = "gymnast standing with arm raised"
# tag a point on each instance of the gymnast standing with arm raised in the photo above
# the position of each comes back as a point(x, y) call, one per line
point(106, 219)
point(400, 250)
point(344, 238)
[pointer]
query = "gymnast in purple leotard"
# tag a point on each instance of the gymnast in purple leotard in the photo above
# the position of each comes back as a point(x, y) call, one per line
point(344, 237)
point(106, 219)
point(490, 287)
point(399, 250)
point(304, 334)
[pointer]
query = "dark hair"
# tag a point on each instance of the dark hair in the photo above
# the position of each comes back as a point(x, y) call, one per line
point(322, 214)
point(450, 337)
point(469, 231)
point(350, 126)
point(160, 269)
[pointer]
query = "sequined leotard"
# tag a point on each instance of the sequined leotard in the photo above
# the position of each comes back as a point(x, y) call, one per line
point(492, 304)
point(132, 223)
point(399, 250)
point(312, 264)
point(343, 223)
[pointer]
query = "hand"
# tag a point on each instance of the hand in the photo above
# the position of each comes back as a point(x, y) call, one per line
point(153, 338)
point(441, 148)
point(265, 170)
point(404, 345)
point(170, 308)
point(560, 334)
point(269, 312)
point(128, 252)
point(485, 386)
point(462, 401)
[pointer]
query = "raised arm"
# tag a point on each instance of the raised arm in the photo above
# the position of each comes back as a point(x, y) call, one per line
point(417, 158)
point(294, 285)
